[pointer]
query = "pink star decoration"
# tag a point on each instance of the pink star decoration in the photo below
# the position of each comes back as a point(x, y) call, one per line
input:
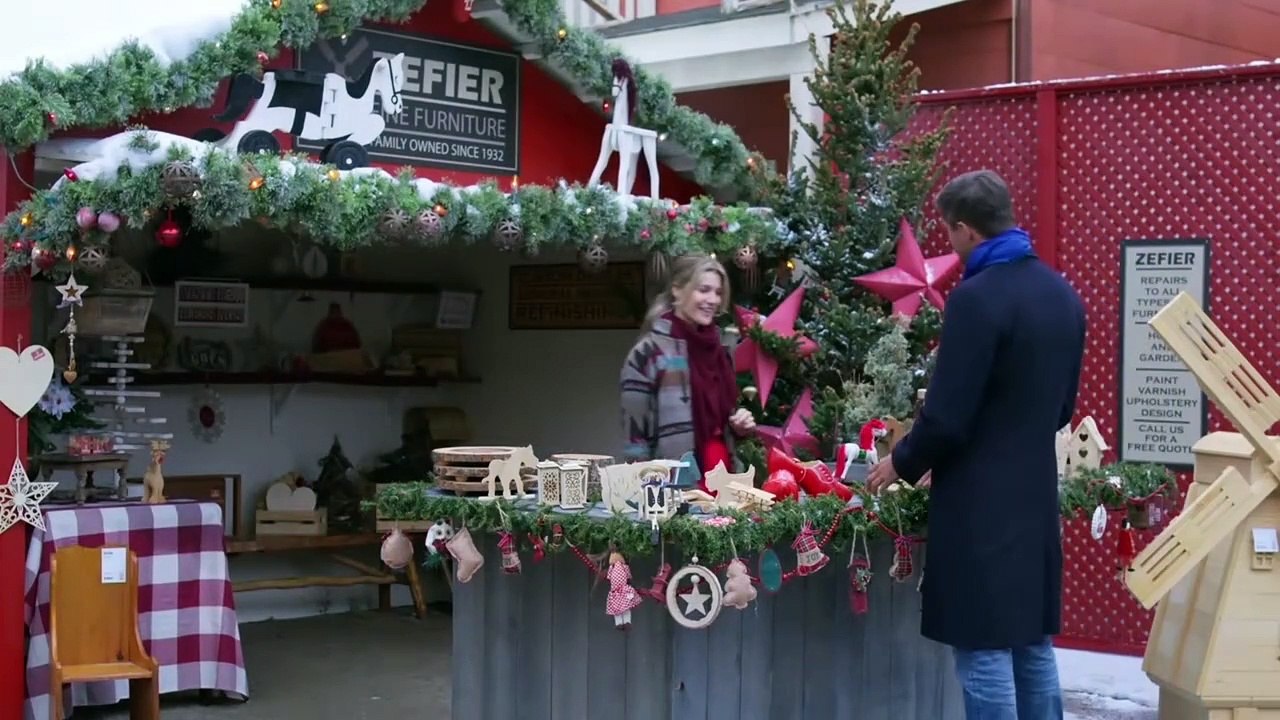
point(794, 433)
point(750, 356)
point(912, 278)
point(20, 499)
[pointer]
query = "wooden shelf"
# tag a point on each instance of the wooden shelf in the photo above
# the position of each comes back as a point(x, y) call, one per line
point(149, 379)
point(301, 284)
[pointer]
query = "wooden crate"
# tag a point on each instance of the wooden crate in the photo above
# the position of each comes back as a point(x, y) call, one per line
point(292, 522)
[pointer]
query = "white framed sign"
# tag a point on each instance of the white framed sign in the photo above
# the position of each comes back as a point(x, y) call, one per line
point(1163, 412)
point(210, 303)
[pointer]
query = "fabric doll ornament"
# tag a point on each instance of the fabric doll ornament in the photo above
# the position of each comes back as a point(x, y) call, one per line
point(397, 550)
point(738, 590)
point(464, 552)
point(622, 598)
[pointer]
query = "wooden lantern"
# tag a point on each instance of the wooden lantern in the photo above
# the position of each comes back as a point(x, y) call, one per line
point(1214, 648)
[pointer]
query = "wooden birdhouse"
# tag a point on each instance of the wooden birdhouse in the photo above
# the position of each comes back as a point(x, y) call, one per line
point(1085, 448)
point(1214, 648)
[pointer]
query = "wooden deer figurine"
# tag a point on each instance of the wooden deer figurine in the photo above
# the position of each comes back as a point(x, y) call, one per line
point(153, 478)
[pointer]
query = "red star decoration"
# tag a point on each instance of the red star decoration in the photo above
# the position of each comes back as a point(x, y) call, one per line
point(913, 278)
point(794, 433)
point(750, 356)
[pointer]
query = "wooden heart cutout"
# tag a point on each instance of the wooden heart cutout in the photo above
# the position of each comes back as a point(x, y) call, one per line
point(24, 378)
point(281, 497)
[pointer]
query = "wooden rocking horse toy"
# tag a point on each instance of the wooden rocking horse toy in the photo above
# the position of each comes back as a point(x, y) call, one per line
point(624, 137)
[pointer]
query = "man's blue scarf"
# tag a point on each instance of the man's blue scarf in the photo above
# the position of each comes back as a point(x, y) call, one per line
point(1006, 247)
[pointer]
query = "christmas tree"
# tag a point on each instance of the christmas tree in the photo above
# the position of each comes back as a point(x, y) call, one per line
point(839, 219)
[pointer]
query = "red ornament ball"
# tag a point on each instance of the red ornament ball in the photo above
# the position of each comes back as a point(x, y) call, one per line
point(672, 214)
point(70, 175)
point(51, 118)
point(263, 58)
point(169, 234)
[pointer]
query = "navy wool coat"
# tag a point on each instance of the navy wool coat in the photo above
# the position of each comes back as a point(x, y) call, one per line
point(1006, 378)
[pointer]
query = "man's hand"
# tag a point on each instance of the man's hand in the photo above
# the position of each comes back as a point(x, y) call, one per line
point(881, 476)
point(926, 480)
point(742, 421)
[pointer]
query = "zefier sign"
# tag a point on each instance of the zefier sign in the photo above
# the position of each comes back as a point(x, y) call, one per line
point(1162, 409)
point(461, 103)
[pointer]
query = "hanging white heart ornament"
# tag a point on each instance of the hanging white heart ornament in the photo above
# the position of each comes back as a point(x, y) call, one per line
point(24, 378)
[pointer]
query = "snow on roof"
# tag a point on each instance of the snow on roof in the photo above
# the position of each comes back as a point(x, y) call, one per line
point(69, 32)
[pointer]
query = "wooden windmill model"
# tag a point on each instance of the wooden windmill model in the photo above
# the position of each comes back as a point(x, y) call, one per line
point(1215, 645)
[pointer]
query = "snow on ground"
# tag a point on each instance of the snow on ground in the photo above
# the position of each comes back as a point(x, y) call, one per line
point(1116, 679)
point(67, 32)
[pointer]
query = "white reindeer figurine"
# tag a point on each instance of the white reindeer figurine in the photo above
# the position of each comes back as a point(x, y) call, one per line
point(624, 137)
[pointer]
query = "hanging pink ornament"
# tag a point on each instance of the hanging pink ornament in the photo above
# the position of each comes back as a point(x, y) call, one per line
point(108, 222)
point(86, 218)
point(397, 550)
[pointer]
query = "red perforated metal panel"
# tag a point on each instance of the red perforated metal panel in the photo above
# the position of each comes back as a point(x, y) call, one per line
point(1193, 155)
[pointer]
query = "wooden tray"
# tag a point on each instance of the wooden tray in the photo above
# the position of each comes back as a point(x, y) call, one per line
point(462, 469)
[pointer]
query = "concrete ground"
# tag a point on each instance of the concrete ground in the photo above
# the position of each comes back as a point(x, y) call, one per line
point(357, 666)
point(379, 665)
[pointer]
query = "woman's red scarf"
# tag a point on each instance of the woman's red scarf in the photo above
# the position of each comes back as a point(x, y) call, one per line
point(713, 388)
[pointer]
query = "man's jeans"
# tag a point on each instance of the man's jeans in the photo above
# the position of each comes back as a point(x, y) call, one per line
point(1018, 684)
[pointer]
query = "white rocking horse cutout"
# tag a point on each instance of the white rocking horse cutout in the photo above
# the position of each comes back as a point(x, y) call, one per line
point(627, 139)
point(314, 107)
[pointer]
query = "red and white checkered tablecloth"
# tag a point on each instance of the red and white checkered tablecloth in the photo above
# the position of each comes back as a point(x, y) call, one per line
point(186, 609)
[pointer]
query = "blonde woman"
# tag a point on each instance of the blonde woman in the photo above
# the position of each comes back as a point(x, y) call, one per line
point(679, 392)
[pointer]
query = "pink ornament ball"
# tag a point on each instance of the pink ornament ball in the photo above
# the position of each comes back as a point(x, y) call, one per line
point(86, 218)
point(108, 222)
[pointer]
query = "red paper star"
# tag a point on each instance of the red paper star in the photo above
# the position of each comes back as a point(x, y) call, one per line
point(912, 278)
point(794, 434)
point(750, 356)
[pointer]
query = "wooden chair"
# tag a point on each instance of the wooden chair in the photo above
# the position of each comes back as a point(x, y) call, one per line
point(94, 631)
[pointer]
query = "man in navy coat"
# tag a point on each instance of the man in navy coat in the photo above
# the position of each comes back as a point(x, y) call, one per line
point(1007, 373)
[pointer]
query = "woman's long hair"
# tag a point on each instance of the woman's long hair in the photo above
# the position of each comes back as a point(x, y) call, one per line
point(685, 272)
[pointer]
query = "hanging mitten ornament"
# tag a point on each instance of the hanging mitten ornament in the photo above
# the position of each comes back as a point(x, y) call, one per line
point(622, 598)
point(658, 588)
point(557, 537)
point(539, 548)
point(738, 590)
point(510, 556)
point(901, 568)
point(809, 558)
point(464, 552)
point(397, 550)
point(859, 575)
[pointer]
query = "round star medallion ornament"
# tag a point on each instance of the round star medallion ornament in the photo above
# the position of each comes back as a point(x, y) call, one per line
point(694, 596)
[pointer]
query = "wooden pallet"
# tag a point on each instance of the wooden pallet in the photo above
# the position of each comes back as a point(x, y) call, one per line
point(462, 470)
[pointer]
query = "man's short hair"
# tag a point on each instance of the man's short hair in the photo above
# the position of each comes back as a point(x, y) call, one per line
point(979, 199)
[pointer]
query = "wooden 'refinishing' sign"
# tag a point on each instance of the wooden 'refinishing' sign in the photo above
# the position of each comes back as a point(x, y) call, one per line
point(565, 297)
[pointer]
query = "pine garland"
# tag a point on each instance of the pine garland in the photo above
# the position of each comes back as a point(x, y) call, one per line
point(903, 512)
point(41, 100)
point(711, 543)
point(350, 210)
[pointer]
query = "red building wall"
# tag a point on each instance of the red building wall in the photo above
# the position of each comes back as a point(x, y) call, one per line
point(1082, 38)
